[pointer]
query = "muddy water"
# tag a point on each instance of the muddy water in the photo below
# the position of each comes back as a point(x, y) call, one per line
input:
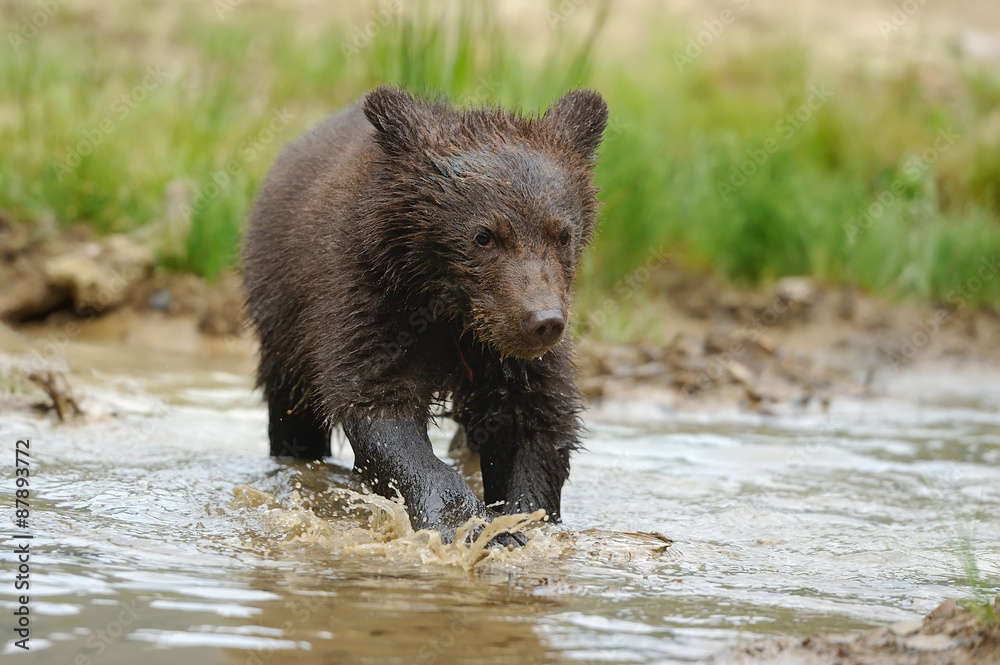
point(164, 534)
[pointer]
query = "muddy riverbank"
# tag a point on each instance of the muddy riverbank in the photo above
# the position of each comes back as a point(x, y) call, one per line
point(795, 344)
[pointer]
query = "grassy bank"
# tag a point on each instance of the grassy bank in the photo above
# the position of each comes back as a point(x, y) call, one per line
point(750, 164)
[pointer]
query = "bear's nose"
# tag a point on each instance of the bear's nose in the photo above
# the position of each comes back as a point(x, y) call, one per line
point(544, 326)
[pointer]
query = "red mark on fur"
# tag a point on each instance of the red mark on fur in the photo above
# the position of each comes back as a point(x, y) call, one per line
point(461, 356)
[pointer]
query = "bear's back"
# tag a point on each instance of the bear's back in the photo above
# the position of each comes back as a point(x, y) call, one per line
point(328, 162)
point(306, 202)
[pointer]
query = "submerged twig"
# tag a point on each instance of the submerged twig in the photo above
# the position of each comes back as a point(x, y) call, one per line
point(61, 395)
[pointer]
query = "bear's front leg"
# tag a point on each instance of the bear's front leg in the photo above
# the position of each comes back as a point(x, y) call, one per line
point(525, 434)
point(394, 455)
point(524, 469)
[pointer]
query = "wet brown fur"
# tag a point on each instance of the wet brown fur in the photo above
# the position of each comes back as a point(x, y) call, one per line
point(374, 299)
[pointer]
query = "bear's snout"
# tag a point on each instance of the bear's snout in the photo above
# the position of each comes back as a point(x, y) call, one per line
point(543, 327)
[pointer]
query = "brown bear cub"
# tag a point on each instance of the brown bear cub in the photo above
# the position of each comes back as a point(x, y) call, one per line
point(405, 252)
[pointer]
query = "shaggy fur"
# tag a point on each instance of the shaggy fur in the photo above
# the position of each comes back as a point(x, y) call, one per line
point(404, 252)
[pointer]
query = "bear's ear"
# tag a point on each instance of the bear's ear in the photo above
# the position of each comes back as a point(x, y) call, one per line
point(398, 118)
point(578, 120)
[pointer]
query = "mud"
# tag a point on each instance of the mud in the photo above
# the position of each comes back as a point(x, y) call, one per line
point(793, 345)
point(950, 635)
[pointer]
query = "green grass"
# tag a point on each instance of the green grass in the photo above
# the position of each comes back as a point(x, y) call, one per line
point(984, 601)
point(958, 519)
point(675, 136)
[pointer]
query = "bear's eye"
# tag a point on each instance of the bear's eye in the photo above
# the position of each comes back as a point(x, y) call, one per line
point(564, 238)
point(484, 239)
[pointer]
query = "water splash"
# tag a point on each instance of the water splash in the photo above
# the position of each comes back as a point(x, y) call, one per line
point(377, 528)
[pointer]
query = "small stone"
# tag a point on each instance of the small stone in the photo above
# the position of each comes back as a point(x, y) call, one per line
point(904, 628)
point(797, 289)
point(650, 370)
point(741, 373)
point(840, 639)
point(717, 343)
point(946, 608)
point(767, 344)
point(929, 642)
point(160, 300)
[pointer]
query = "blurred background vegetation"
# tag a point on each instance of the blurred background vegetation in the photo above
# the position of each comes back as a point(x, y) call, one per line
point(744, 157)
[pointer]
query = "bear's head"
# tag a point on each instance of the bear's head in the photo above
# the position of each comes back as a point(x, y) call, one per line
point(484, 212)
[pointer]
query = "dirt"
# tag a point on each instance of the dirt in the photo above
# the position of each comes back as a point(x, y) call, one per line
point(950, 635)
point(53, 277)
point(796, 344)
point(791, 345)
